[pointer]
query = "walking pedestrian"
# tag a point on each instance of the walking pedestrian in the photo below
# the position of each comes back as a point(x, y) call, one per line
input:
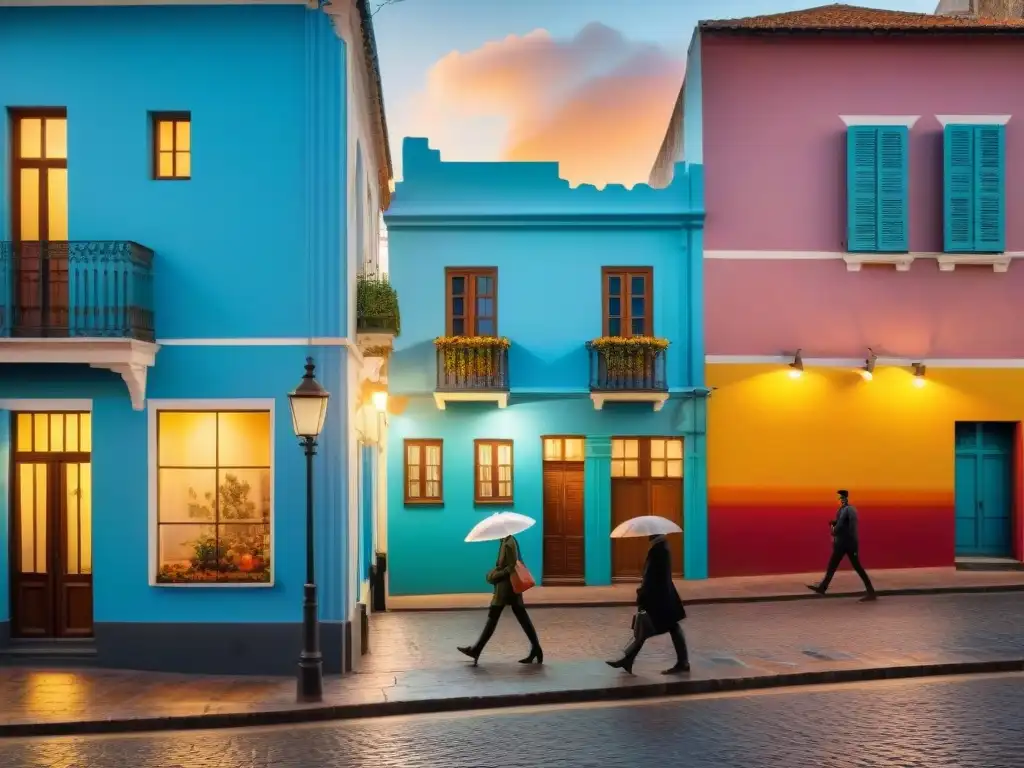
point(504, 595)
point(659, 610)
point(845, 543)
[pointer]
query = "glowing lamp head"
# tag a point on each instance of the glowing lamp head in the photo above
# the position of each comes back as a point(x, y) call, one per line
point(796, 368)
point(308, 403)
point(380, 400)
point(795, 373)
point(867, 375)
point(919, 371)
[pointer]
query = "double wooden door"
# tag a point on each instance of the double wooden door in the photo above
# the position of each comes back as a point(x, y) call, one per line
point(647, 479)
point(51, 526)
point(563, 511)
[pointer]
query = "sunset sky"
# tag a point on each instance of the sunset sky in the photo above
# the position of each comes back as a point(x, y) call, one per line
point(587, 83)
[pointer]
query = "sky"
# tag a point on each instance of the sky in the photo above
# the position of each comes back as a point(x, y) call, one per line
point(587, 83)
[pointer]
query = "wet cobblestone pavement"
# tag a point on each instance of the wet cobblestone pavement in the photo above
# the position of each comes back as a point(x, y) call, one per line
point(414, 659)
point(937, 723)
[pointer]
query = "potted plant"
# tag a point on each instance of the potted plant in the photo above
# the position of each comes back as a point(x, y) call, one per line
point(628, 355)
point(461, 358)
point(377, 306)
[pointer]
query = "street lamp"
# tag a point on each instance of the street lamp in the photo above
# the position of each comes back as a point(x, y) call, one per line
point(308, 403)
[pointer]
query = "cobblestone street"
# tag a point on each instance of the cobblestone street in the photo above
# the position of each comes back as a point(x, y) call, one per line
point(414, 659)
point(937, 723)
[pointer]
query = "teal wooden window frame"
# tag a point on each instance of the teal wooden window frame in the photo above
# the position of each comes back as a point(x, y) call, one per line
point(877, 182)
point(974, 188)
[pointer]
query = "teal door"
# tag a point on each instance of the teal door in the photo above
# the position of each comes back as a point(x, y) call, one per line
point(984, 488)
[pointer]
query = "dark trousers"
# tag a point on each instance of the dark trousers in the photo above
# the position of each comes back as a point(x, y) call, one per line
point(839, 551)
point(494, 613)
point(678, 642)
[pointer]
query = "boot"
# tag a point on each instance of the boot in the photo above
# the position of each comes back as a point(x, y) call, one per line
point(536, 654)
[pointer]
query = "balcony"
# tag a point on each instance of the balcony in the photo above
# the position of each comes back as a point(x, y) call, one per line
point(471, 369)
point(85, 302)
point(378, 322)
point(628, 370)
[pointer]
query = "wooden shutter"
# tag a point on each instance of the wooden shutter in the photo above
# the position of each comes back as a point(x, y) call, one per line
point(990, 189)
point(958, 188)
point(862, 189)
point(892, 189)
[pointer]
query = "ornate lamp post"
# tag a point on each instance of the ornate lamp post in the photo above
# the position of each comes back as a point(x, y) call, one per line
point(308, 403)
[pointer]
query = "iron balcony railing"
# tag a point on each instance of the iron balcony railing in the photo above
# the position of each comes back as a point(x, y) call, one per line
point(640, 371)
point(85, 288)
point(477, 369)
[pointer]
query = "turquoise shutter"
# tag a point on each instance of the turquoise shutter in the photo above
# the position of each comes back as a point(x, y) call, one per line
point(861, 188)
point(958, 188)
point(892, 189)
point(990, 188)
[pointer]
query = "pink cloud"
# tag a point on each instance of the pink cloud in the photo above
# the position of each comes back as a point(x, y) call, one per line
point(597, 104)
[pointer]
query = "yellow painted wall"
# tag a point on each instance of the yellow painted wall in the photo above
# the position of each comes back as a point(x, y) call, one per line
point(770, 435)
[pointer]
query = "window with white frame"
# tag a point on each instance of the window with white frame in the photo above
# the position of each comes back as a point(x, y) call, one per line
point(213, 496)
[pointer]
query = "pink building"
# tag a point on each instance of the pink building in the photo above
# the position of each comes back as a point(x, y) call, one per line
point(864, 289)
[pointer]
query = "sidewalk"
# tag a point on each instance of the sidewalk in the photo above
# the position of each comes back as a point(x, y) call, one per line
point(414, 667)
point(741, 589)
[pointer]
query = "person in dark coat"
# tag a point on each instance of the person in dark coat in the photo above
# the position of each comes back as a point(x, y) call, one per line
point(845, 543)
point(659, 610)
point(504, 595)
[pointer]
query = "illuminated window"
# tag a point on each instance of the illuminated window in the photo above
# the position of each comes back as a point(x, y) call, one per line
point(423, 462)
point(493, 472)
point(625, 457)
point(172, 145)
point(213, 496)
point(563, 449)
point(666, 457)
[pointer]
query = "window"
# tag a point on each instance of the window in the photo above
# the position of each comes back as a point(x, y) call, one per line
point(656, 457)
point(40, 180)
point(563, 449)
point(213, 488)
point(423, 472)
point(628, 299)
point(974, 182)
point(472, 301)
point(876, 189)
point(493, 471)
point(172, 145)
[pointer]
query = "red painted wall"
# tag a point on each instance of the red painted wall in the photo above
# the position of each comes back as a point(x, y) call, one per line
point(758, 540)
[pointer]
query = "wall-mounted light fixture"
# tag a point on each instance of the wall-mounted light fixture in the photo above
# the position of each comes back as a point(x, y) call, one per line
point(380, 400)
point(868, 369)
point(919, 371)
point(797, 366)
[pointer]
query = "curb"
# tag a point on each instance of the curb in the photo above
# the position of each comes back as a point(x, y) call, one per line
point(904, 592)
point(466, 703)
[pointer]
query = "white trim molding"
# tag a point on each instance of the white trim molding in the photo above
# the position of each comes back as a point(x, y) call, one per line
point(869, 120)
point(220, 404)
point(441, 399)
point(947, 262)
point(656, 399)
point(45, 405)
point(973, 119)
point(128, 358)
point(1007, 363)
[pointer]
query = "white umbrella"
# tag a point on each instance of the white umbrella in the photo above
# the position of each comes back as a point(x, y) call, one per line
point(499, 525)
point(645, 525)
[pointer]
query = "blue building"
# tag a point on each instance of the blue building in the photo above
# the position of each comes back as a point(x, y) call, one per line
point(189, 191)
point(552, 364)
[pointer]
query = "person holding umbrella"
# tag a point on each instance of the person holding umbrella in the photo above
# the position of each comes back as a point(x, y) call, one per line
point(510, 579)
point(659, 608)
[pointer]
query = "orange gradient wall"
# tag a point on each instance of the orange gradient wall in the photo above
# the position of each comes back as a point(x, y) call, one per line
point(778, 449)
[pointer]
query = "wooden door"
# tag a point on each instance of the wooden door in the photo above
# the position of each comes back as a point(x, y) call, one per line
point(647, 479)
point(51, 526)
point(563, 511)
point(40, 223)
point(984, 488)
